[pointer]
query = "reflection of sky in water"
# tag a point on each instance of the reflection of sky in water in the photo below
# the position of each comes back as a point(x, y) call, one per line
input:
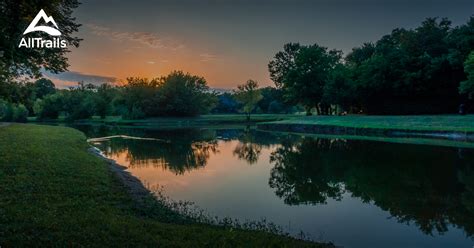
point(226, 184)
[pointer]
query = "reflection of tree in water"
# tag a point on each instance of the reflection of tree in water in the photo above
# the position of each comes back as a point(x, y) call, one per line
point(251, 143)
point(189, 150)
point(248, 149)
point(427, 185)
point(296, 178)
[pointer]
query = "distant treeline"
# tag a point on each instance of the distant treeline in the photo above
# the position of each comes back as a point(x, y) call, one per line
point(426, 70)
point(417, 71)
point(178, 94)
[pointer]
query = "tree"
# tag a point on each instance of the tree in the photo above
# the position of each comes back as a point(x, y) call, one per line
point(183, 94)
point(16, 16)
point(249, 95)
point(340, 88)
point(226, 104)
point(6, 111)
point(78, 103)
point(44, 87)
point(20, 113)
point(49, 107)
point(136, 98)
point(177, 94)
point(302, 72)
point(273, 97)
point(275, 107)
point(467, 87)
point(103, 100)
point(411, 71)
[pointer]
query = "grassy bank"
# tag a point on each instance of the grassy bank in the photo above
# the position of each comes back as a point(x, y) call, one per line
point(413, 122)
point(55, 193)
point(203, 120)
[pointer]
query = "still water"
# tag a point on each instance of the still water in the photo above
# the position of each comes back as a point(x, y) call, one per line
point(353, 193)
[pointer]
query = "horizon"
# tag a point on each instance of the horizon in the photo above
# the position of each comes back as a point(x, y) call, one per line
point(227, 42)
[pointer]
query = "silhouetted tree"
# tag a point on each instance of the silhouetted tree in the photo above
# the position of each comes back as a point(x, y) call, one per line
point(16, 16)
point(467, 87)
point(302, 72)
point(249, 95)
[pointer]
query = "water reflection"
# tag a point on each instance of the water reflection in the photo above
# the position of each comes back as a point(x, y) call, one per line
point(189, 150)
point(248, 148)
point(429, 187)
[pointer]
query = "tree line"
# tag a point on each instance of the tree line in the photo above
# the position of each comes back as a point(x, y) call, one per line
point(428, 69)
point(178, 94)
point(425, 70)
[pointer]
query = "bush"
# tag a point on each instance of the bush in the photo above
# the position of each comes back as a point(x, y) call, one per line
point(79, 106)
point(20, 113)
point(275, 107)
point(134, 114)
point(49, 107)
point(6, 111)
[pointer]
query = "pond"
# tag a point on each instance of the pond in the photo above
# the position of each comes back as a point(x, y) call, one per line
point(354, 193)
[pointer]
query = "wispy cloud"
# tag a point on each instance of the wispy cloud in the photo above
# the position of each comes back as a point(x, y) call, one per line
point(71, 78)
point(206, 57)
point(149, 39)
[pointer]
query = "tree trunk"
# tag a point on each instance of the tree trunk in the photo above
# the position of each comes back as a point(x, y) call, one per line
point(308, 111)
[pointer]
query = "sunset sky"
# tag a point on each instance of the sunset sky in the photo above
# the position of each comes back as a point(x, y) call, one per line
point(225, 41)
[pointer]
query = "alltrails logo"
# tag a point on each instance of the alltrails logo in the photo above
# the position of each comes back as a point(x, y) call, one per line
point(40, 42)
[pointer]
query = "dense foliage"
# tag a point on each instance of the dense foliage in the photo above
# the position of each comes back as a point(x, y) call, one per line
point(467, 87)
point(302, 73)
point(16, 16)
point(425, 70)
point(249, 96)
point(410, 71)
point(177, 94)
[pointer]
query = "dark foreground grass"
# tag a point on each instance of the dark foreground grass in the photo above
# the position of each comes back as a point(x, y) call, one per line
point(54, 193)
point(411, 122)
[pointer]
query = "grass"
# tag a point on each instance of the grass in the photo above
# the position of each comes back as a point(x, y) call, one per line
point(203, 120)
point(412, 122)
point(54, 193)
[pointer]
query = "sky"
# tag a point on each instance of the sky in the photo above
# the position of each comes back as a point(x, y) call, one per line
point(228, 41)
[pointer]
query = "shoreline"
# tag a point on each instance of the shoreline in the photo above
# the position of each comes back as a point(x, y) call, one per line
point(363, 131)
point(82, 199)
point(134, 186)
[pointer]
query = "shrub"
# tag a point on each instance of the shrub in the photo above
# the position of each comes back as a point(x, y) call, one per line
point(134, 114)
point(79, 106)
point(49, 107)
point(6, 111)
point(275, 107)
point(20, 113)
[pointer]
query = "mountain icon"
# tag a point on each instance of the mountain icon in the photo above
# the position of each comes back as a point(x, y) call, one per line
point(42, 15)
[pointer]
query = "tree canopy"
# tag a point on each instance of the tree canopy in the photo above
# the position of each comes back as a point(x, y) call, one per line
point(302, 73)
point(467, 87)
point(409, 71)
point(249, 95)
point(16, 16)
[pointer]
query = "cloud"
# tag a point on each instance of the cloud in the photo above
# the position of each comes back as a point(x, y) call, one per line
point(146, 38)
point(206, 57)
point(71, 78)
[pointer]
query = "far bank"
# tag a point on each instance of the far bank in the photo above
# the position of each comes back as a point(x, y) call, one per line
point(449, 127)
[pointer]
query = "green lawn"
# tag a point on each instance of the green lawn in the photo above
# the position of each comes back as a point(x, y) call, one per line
point(218, 119)
point(412, 122)
point(54, 193)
